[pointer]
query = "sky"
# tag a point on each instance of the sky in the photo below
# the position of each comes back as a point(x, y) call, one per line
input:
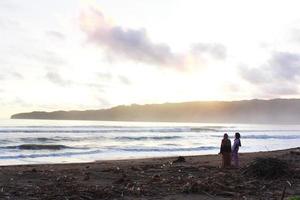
point(93, 54)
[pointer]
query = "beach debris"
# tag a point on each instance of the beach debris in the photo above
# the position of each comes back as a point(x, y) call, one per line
point(191, 187)
point(116, 170)
point(283, 193)
point(180, 159)
point(210, 185)
point(120, 180)
point(156, 177)
point(86, 177)
point(296, 152)
point(123, 179)
point(135, 168)
point(163, 166)
point(149, 181)
point(267, 168)
point(190, 176)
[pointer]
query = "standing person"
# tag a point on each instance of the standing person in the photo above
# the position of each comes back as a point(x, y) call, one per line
point(225, 150)
point(235, 150)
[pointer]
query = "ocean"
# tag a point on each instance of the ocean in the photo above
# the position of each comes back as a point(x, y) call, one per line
point(62, 141)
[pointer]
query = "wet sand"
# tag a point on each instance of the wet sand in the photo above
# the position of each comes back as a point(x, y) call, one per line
point(194, 177)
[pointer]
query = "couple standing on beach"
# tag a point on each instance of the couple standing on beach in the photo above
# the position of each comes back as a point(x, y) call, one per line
point(230, 153)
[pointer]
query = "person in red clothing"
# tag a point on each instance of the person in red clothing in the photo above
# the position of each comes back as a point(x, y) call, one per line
point(225, 150)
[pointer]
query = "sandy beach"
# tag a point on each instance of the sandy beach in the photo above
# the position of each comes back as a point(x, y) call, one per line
point(194, 177)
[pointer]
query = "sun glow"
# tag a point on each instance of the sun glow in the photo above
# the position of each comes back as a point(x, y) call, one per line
point(94, 54)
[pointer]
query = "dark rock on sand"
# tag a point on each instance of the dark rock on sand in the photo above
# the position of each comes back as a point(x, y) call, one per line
point(179, 160)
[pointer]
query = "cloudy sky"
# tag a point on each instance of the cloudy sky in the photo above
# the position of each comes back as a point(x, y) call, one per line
point(91, 54)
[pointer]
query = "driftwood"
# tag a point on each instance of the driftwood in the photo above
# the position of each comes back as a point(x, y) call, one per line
point(283, 193)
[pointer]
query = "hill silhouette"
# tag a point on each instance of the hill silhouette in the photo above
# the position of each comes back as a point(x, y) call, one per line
point(245, 111)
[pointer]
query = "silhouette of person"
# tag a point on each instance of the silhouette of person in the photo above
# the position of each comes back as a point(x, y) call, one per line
point(225, 150)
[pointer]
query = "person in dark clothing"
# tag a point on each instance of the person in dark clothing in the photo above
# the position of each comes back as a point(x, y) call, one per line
point(225, 150)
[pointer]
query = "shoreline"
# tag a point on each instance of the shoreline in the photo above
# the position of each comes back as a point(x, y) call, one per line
point(196, 177)
point(150, 159)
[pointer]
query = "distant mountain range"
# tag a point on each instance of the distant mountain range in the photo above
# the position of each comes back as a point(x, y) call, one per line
point(245, 111)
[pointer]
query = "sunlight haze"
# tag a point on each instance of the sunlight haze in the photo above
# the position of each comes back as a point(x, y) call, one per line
point(78, 55)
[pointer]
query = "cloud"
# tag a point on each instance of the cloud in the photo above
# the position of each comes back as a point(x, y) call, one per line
point(295, 35)
point(218, 51)
point(104, 76)
point(7, 4)
point(55, 34)
point(103, 101)
point(55, 78)
point(285, 65)
point(10, 74)
point(17, 75)
point(14, 101)
point(280, 75)
point(46, 56)
point(98, 86)
point(10, 24)
point(252, 75)
point(21, 102)
point(135, 44)
point(124, 80)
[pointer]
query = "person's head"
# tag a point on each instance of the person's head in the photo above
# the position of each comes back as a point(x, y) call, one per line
point(225, 136)
point(237, 135)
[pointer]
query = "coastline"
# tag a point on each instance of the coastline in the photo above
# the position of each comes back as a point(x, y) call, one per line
point(149, 178)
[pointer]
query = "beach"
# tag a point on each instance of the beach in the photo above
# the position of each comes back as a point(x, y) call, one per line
point(188, 177)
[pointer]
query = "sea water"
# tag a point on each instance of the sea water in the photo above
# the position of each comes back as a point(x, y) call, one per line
point(62, 141)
